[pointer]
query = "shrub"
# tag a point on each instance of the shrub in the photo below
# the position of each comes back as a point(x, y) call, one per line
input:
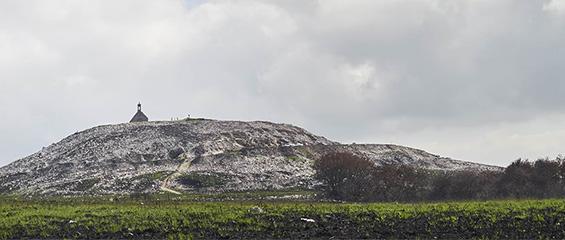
point(460, 185)
point(348, 177)
point(400, 183)
point(345, 176)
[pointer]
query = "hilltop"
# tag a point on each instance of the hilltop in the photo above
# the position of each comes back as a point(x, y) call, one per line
point(192, 155)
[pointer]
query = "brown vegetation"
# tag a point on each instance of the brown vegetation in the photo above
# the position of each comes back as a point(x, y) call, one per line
point(345, 176)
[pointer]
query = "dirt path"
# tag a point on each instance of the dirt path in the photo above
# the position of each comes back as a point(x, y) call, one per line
point(181, 168)
point(166, 189)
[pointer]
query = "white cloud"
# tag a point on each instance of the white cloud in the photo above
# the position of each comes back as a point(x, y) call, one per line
point(554, 6)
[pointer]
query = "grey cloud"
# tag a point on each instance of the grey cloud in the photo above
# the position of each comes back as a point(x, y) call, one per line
point(447, 76)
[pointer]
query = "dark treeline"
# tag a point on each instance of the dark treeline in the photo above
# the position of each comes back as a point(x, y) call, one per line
point(352, 178)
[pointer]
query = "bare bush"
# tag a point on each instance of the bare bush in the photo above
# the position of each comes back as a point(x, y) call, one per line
point(345, 176)
point(348, 177)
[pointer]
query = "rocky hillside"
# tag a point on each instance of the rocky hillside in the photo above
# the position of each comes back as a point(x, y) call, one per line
point(195, 155)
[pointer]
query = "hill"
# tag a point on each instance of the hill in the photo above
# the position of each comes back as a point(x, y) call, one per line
point(194, 155)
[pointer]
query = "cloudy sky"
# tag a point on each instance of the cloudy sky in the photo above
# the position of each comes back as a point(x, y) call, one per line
point(477, 80)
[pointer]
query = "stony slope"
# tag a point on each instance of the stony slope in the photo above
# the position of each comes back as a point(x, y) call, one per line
point(191, 155)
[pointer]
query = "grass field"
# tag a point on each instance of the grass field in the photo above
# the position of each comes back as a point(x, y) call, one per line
point(78, 218)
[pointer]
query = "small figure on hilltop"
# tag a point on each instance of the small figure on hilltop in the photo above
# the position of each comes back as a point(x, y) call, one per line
point(139, 116)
